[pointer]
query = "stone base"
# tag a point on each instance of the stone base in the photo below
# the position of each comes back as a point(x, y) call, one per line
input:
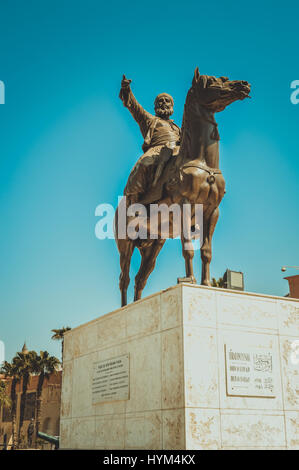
point(178, 391)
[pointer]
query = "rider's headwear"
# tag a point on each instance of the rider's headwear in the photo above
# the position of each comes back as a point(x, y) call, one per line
point(164, 94)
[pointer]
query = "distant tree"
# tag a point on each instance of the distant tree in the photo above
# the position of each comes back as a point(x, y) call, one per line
point(24, 362)
point(11, 370)
point(219, 283)
point(44, 365)
point(59, 336)
point(5, 401)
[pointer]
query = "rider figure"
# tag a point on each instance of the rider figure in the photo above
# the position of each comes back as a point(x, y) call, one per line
point(161, 139)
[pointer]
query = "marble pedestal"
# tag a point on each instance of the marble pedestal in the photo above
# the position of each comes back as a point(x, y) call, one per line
point(178, 391)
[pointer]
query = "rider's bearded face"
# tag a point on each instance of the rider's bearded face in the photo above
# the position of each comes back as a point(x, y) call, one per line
point(164, 106)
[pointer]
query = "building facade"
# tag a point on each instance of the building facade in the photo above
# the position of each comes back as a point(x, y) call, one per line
point(50, 409)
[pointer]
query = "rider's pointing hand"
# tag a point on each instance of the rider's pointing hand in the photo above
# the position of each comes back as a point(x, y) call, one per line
point(125, 82)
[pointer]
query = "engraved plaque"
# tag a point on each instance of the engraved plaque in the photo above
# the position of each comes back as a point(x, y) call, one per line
point(110, 380)
point(249, 371)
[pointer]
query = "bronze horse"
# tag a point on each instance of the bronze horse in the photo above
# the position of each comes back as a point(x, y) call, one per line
point(192, 177)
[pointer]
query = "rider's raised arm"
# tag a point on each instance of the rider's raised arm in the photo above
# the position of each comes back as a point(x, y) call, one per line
point(141, 116)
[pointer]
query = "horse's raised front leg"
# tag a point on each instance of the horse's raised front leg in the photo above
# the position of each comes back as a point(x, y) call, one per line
point(187, 245)
point(209, 224)
point(126, 250)
point(148, 260)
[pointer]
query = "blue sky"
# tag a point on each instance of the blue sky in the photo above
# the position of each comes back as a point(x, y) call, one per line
point(67, 144)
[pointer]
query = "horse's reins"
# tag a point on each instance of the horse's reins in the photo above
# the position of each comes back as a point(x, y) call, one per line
point(212, 171)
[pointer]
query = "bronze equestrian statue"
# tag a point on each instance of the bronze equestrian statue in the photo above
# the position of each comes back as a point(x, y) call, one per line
point(177, 167)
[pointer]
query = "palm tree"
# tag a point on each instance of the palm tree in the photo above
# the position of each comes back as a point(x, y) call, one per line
point(44, 365)
point(4, 403)
point(59, 336)
point(4, 398)
point(11, 370)
point(24, 362)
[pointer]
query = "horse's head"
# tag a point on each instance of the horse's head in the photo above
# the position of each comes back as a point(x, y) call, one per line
point(215, 94)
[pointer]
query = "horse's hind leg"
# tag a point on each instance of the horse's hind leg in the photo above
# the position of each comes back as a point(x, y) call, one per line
point(148, 260)
point(126, 251)
point(209, 224)
point(187, 245)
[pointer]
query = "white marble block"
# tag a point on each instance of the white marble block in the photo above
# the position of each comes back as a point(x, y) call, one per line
point(191, 367)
